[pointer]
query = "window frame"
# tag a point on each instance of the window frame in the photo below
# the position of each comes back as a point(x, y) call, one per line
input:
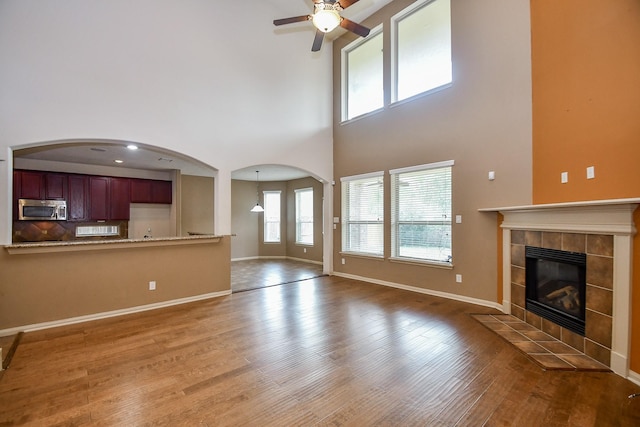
point(344, 74)
point(298, 192)
point(396, 223)
point(345, 208)
point(266, 222)
point(395, 21)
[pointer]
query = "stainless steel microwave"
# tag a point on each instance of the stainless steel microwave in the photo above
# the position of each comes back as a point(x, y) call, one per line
point(42, 210)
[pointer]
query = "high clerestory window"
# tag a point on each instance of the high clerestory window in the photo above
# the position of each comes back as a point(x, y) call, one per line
point(421, 48)
point(362, 76)
point(420, 59)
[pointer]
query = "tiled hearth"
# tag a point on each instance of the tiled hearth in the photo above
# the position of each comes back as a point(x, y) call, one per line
point(599, 300)
point(545, 350)
point(604, 231)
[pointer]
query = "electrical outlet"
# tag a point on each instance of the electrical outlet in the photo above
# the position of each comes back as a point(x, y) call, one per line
point(305, 250)
point(343, 261)
point(591, 172)
point(152, 285)
point(459, 278)
point(564, 177)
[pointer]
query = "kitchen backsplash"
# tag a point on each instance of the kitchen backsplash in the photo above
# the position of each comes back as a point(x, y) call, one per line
point(43, 231)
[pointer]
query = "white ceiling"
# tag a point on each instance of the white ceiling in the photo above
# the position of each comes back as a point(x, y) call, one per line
point(153, 158)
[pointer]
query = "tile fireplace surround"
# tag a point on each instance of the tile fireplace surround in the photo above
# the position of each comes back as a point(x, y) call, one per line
point(604, 231)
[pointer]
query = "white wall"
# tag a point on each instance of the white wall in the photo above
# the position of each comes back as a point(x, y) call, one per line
point(212, 80)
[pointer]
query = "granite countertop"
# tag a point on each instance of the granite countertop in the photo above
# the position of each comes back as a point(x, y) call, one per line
point(32, 247)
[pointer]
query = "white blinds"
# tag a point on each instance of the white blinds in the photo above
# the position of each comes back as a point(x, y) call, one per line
point(363, 214)
point(421, 212)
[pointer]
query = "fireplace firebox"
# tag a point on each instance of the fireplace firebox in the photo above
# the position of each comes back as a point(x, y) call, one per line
point(555, 286)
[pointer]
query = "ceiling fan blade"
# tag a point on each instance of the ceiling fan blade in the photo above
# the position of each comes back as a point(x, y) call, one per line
point(317, 41)
point(291, 20)
point(346, 3)
point(354, 27)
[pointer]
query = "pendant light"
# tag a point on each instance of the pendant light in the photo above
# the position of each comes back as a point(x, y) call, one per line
point(257, 207)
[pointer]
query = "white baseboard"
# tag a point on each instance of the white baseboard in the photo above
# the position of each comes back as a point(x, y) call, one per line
point(249, 258)
point(619, 364)
point(308, 261)
point(278, 257)
point(634, 377)
point(447, 295)
point(107, 314)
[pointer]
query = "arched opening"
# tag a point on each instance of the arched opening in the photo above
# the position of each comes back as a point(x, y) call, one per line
point(285, 241)
point(112, 189)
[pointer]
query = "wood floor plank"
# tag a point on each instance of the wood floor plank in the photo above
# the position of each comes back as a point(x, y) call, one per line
point(325, 351)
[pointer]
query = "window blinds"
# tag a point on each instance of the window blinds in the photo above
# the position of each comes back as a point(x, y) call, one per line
point(421, 212)
point(363, 214)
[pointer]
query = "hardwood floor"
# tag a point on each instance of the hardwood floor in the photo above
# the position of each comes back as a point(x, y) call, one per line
point(261, 273)
point(324, 351)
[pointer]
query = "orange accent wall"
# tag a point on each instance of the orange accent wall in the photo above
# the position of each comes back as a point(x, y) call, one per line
point(586, 99)
point(586, 108)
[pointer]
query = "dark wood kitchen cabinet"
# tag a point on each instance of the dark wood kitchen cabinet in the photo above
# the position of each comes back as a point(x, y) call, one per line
point(89, 197)
point(151, 191)
point(78, 201)
point(120, 199)
point(55, 186)
point(98, 198)
point(108, 198)
point(29, 185)
point(40, 185)
point(161, 192)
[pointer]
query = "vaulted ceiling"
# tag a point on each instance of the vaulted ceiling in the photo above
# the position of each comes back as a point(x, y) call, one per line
point(220, 69)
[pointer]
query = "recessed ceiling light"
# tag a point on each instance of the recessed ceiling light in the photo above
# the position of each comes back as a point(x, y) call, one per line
point(132, 147)
point(119, 161)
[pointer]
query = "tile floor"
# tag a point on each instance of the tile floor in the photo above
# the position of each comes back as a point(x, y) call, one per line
point(262, 273)
point(547, 351)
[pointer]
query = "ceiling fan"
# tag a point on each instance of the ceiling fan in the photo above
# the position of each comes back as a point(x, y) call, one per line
point(326, 17)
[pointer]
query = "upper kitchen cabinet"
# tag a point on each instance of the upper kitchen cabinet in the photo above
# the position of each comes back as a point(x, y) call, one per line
point(40, 185)
point(29, 185)
point(120, 190)
point(99, 198)
point(108, 198)
point(55, 186)
point(78, 201)
point(151, 191)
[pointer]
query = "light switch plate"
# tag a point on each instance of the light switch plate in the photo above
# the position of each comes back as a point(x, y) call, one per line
point(591, 172)
point(564, 177)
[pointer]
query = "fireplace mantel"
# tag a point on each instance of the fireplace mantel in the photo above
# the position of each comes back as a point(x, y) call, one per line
point(608, 217)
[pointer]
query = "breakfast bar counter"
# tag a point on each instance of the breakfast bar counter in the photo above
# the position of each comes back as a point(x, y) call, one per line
point(93, 245)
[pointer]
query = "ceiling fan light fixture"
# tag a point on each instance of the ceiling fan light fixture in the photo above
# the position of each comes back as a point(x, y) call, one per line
point(326, 20)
